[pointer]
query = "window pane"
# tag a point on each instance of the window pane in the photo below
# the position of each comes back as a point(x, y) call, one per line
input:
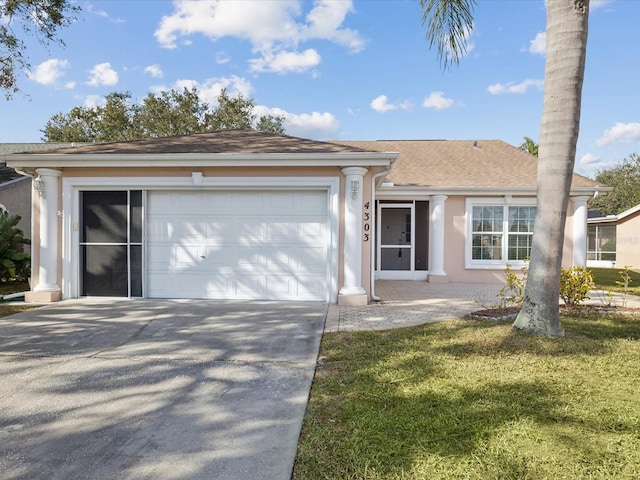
point(136, 216)
point(487, 219)
point(104, 217)
point(607, 238)
point(519, 247)
point(394, 224)
point(486, 247)
point(136, 270)
point(521, 219)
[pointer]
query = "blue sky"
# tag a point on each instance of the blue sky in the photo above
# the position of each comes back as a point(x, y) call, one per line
point(339, 69)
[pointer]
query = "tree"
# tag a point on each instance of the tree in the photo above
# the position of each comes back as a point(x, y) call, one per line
point(624, 178)
point(529, 146)
point(167, 114)
point(40, 18)
point(448, 22)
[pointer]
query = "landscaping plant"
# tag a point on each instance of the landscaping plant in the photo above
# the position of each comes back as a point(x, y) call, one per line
point(575, 284)
point(15, 263)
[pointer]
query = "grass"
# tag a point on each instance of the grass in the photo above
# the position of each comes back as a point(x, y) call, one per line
point(606, 278)
point(12, 308)
point(472, 399)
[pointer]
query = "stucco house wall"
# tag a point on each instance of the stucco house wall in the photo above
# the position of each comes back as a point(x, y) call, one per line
point(628, 241)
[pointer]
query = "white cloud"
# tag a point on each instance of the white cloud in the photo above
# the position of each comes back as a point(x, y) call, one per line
point(520, 88)
point(538, 46)
point(437, 100)
point(620, 132)
point(210, 89)
point(283, 62)
point(222, 58)
point(103, 74)
point(92, 101)
point(49, 71)
point(315, 125)
point(272, 27)
point(381, 104)
point(154, 70)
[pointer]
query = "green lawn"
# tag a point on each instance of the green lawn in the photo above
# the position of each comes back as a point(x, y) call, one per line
point(607, 277)
point(470, 399)
point(9, 308)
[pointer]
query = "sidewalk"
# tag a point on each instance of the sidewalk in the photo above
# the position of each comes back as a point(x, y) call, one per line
point(410, 303)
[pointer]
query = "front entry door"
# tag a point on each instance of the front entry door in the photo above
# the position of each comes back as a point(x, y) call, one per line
point(396, 234)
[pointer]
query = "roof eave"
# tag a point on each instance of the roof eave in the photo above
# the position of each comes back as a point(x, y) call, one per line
point(403, 190)
point(61, 160)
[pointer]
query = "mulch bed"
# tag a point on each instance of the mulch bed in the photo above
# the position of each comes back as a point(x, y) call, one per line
point(510, 313)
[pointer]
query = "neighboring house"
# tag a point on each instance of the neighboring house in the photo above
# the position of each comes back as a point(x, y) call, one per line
point(15, 189)
point(614, 240)
point(252, 215)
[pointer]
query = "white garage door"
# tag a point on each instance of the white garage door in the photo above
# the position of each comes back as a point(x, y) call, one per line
point(238, 245)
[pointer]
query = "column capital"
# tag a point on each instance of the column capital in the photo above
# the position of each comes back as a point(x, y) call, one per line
point(48, 172)
point(439, 198)
point(581, 198)
point(355, 171)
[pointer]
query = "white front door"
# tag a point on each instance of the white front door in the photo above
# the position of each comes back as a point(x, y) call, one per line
point(238, 244)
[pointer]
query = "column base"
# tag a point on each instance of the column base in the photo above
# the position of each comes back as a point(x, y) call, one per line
point(43, 296)
point(438, 278)
point(353, 300)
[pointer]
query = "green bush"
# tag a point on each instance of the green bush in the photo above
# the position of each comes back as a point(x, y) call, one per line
point(15, 263)
point(575, 284)
point(512, 293)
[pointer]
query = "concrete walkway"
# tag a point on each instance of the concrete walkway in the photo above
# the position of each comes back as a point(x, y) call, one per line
point(409, 303)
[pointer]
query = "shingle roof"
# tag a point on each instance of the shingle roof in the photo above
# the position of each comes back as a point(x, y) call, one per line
point(8, 174)
point(460, 163)
point(224, 141)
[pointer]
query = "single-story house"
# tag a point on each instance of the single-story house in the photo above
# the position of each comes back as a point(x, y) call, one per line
point(614, 240)
point(251, 215)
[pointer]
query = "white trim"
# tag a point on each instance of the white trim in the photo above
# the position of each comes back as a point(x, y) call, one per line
point(334, 159)
point(71, 187)
point(386, 192)
point(506, 200)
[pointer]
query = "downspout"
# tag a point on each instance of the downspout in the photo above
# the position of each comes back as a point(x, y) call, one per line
point(374, 209)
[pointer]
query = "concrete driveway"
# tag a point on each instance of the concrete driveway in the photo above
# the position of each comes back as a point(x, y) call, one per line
point(155, 389)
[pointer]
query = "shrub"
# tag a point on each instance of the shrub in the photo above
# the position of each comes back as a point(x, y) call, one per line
point(575, 284)
point(512, 293)
point(15, 264)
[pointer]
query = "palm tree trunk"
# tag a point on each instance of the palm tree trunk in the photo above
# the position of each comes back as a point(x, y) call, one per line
point(567, 26)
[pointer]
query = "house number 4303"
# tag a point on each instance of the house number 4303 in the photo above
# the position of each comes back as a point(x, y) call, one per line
point(366, 225)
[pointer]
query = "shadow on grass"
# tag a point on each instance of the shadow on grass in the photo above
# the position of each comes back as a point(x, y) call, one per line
point(466, 392)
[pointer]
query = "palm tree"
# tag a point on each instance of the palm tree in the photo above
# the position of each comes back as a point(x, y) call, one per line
point(448, 23)
point(529, 146)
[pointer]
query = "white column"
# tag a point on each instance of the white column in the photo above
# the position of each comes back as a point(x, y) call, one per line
point(48, 238)
point(580, 230)
point(436, 267)
point(352, 267)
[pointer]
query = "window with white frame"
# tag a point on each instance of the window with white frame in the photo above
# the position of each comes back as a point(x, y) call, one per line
point(498, 233)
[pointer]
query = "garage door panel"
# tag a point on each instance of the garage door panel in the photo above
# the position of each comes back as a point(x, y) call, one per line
point(244, 245)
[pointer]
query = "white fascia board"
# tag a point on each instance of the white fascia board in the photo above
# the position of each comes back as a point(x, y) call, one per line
point(344, 159)
point(628, 212)
point(387, 192)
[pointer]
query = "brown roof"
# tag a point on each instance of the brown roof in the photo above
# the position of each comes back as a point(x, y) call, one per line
point(224, 141)
point(460, 163)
